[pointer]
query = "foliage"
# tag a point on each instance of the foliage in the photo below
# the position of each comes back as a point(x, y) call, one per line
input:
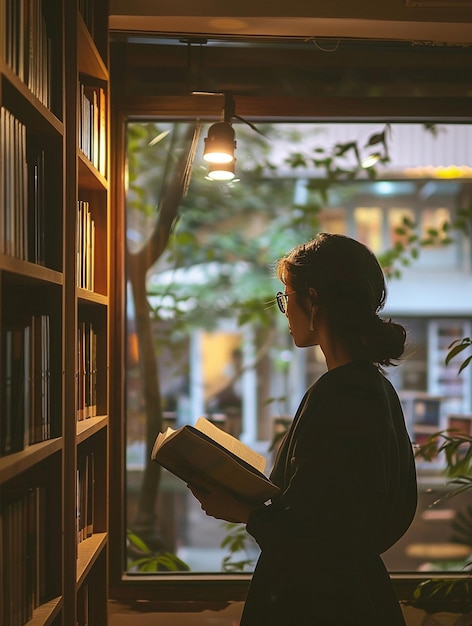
point(409, 241)
point(232, 262)
point(455, 595)
point(244, 251)
point(436, 595)
point(457, 347)
point(236, 541)
point(147, 560)
point(441, 594)
point(462, 527)
point(457, 449)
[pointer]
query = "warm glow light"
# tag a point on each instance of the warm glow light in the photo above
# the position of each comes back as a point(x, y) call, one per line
point(220, 174)
point(220, 143)
point(218, 157)
point(221, 171)
point(449, 172)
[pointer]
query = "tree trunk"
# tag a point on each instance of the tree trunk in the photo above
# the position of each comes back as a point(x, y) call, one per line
point(145, 524)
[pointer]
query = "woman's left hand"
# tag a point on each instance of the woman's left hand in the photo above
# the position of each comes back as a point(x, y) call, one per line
point(221, 504)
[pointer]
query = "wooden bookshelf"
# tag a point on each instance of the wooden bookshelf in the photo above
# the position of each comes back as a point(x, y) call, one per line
point(54, 312)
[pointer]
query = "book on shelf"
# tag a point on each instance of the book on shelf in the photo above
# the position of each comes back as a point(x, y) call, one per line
point(13, 186)
point(86, 371)
point(23, 175)
point(92, 125)
point(37, 176)
point(203, 455)
point(23, 562)
point(28, 48)
point(25, 393)
point(85, 497)
point(85, 246)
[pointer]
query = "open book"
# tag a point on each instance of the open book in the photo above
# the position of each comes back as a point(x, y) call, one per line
point(203, 455)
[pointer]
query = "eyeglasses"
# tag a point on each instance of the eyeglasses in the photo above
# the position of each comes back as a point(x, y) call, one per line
point(282, 300)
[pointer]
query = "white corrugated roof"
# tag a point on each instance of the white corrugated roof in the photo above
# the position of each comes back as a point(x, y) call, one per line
point(410, 145)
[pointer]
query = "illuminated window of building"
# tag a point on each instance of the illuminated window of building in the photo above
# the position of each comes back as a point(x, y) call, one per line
point(434, 219)
point(368, 227)
point(396, 224)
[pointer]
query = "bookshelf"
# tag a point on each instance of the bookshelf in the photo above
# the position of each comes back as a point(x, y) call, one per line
point(54, 312)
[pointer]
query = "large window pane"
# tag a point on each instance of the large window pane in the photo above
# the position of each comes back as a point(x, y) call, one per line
point(204, 336)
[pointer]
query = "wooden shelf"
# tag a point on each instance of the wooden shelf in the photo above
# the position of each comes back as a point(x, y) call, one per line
point(88, 427)
point(88, 552)
point(90, 61)
point(44, 614)
point(91, 297)
point(25, 271)
point(13, 464)
point(89, 176)
point(31, 110)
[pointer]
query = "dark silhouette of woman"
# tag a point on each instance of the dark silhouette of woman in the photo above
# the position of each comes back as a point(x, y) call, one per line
point(345, 467)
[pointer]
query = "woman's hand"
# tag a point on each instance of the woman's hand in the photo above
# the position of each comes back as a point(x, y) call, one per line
point(220, 504)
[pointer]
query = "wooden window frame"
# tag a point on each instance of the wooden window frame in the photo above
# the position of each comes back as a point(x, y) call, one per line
point(179, 592)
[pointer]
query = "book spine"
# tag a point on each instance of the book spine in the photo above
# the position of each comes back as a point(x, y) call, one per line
point(86, 371)
point(93, 122)
point(85, 242)
point(85, 497)
point(23, 562)
point(17, 189)
point(25, 382)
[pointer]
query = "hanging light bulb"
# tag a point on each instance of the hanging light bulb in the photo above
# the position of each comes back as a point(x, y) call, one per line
point(220, 143)
point(221, 171)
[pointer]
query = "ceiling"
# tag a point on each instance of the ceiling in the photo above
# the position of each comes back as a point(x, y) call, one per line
point(304, 59)
point(437, 22)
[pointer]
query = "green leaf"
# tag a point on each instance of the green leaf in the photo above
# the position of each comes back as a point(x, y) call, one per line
point(137, 542)
point(456, 348)
point(465, 363)
point(376, 139)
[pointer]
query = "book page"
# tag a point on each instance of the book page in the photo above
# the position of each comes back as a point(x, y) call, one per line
point(161, 437)
point(199, 460)
point(231, 443)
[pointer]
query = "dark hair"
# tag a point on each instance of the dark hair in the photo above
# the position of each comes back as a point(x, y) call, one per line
point(351, 286)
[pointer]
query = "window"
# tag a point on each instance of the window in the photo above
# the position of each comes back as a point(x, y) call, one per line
point(368, 222)
point(189, 354)
point(396, 220)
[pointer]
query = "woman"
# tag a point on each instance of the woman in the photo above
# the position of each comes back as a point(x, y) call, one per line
point(345, 467)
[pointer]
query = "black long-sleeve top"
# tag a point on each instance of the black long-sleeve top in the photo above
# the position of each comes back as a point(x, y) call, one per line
point(347, 474)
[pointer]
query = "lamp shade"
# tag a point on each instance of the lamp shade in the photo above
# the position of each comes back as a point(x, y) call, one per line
point(221, 171)
point(220, 143)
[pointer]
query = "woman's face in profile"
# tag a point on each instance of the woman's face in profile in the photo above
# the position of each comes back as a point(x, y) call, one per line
point(298, 312)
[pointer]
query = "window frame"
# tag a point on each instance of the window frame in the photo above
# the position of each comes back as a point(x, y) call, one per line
point(179, 592)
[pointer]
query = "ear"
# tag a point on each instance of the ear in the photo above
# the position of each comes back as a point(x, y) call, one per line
point(313, 295)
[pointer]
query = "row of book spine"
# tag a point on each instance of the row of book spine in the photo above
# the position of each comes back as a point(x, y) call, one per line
point(22, 193)
point(27, 48)
point(92, 126)
point(25, 390)
point(26, 376)
point(86, 371)
point(85, 496)
point(85, 246)
point(23, 562)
